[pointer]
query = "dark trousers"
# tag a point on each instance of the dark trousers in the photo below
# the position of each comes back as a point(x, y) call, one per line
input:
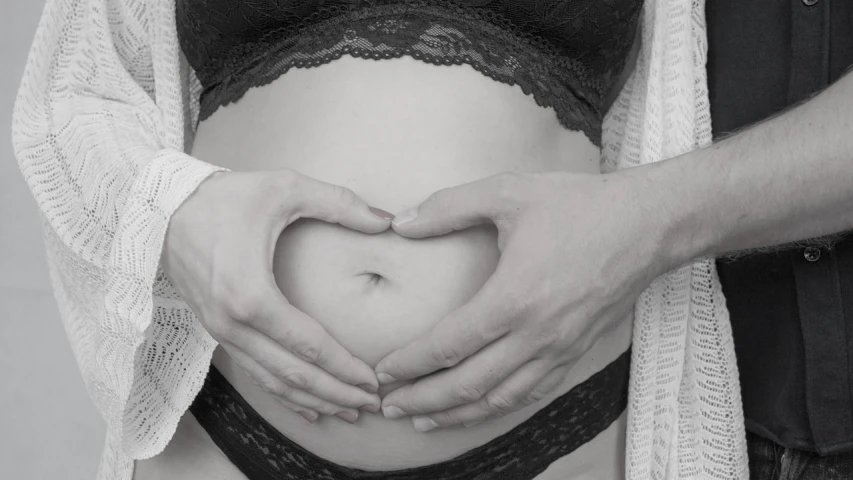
point(769, 461)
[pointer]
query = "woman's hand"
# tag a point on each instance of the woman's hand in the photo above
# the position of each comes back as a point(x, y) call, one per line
point(576, 252)
point(218, 254)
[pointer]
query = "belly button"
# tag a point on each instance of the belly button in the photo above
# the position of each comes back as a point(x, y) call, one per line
point(375, 279)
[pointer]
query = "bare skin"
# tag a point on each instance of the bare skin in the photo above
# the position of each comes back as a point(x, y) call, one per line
point(786, 179)
point(375, 292)
point(248, 315)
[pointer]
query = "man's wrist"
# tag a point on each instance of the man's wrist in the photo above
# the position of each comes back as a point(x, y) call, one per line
point(670, 235)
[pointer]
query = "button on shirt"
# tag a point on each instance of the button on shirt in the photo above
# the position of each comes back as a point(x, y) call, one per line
point(791, 311)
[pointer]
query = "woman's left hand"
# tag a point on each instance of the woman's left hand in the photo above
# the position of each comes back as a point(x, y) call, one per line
point(576, 252)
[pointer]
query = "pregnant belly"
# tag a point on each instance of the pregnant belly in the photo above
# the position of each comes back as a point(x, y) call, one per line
point(375, 293)
point(394, 132)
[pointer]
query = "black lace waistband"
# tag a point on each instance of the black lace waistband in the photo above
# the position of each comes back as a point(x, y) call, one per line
point(263, 453)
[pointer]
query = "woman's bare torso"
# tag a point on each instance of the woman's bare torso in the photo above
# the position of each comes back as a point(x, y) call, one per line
point(393, 131)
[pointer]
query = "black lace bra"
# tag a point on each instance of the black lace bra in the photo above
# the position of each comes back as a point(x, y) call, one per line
point(566, 53)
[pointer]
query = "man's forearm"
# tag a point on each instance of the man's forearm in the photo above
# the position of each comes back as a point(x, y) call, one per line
point(783, 180)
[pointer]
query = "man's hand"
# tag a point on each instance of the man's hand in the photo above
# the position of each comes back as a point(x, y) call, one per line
point(576, 252)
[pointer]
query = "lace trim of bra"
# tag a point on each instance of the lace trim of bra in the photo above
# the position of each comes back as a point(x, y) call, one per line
point(445, 34)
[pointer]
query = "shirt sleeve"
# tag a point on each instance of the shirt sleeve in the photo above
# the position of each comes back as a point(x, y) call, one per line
point(98, 130)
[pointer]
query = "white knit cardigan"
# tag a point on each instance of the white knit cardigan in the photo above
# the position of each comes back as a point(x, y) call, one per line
point(104, 115)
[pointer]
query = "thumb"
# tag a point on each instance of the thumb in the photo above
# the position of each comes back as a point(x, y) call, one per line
point(452, 209)
point(336, 204)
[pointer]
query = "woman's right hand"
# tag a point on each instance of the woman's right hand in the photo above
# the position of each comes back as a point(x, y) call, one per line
point(218, 254)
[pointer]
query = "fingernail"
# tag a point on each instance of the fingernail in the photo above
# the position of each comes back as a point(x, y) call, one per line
point(472, 423)
point(405, 216)
point(368, 388)
point(370, 407)
point(424, 424)
point(385, 378)
point(392, 412)
point(347, 416)
point(309, 417)
point(382, 213)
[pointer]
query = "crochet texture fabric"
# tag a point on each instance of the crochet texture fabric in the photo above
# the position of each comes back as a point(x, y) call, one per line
point(101, 123)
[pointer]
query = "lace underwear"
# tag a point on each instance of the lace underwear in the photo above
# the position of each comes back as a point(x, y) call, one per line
point(567, 54)
point(263, 453)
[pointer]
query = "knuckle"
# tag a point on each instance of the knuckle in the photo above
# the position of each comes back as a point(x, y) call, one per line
point(507, 183)
point(289, 187)
point(294, 378)
point(498, 403)
point(275, 387)
point(517, 304)
point(534, 396)
point(310, 352)
point(220, 327)
point(242, 304)
point(345, 195)
point(547, 339)
point(481, 329)
point(280, 185)
point(439, 199)
point(467, 393)
point(446, 356)
point(285, 179)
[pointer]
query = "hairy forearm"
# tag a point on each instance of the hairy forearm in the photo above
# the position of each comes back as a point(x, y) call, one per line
point(782, 181)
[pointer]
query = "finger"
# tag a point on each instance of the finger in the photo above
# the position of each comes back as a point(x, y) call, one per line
point(263, 378)
point(304, 337)
point(464, 384)
point(337, 204)
point(455, 208)
point(528, 385)
point(301, 375)
point(483, 319)
point(284, 393)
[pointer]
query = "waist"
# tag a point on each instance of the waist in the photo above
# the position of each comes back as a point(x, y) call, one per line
point(383, 127)
point(394, 132)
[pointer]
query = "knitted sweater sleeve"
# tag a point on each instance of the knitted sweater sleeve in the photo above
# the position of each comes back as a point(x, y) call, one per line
point(99, 127)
